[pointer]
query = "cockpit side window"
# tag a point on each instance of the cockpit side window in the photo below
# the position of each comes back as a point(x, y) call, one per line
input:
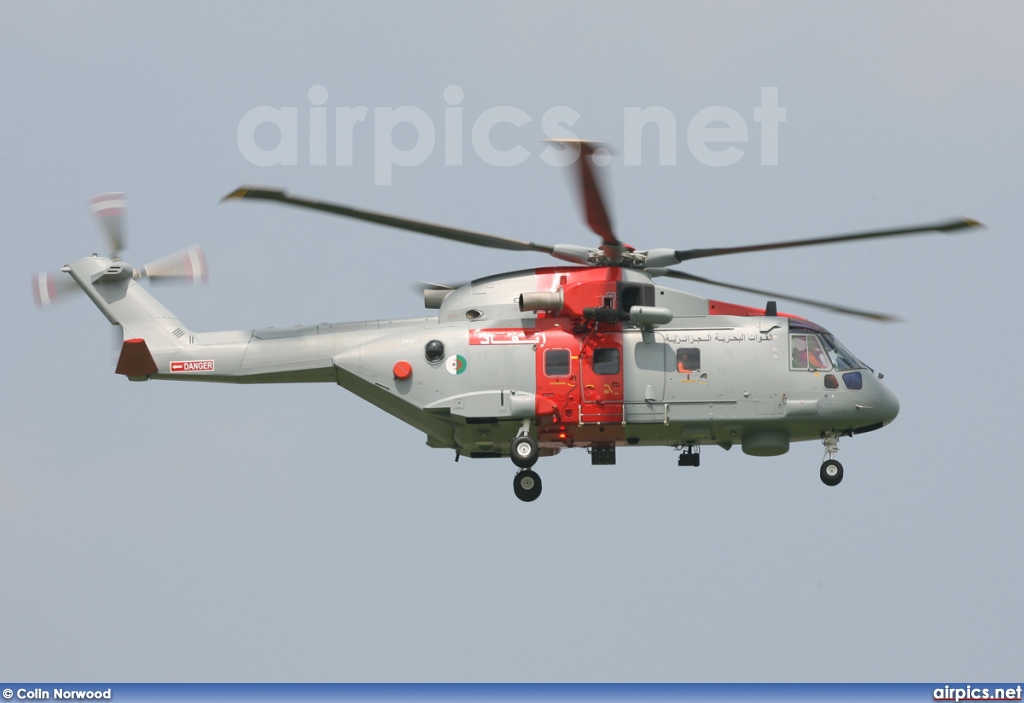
point(808, 353)
point(818, 349)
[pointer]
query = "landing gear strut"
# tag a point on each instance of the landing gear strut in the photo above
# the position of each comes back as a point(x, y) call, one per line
point(831, 470)
point(524, 452)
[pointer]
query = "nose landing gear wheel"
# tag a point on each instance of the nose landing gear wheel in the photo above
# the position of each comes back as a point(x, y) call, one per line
point(831, 472)
point(527, 486)
point(524, 452)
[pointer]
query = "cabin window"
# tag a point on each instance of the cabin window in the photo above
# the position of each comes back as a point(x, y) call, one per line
point(807, 353)
point(606, 361)
point(687, 360)
point(556, 362)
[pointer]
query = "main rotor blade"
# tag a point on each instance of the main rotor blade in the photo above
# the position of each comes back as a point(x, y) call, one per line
point(459, 235)
point(953, 225)
point(593, 200)
point(109, 209)
point(879, 316)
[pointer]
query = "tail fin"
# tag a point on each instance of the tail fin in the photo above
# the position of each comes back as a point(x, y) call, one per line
point(111, 285)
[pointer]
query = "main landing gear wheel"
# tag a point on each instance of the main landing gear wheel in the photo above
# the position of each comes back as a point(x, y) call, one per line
point(524, 452)
point(831, 472)
point(527, 485)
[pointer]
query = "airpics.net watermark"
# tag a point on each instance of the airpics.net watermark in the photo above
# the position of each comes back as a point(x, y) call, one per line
point(717, 125)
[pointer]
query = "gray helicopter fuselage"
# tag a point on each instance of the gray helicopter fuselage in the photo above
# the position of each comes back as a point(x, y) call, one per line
point(575, 370)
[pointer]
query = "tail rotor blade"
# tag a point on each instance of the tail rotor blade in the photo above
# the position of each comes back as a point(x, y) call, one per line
point(188, 264)
point(49, 287)
point(109, 209)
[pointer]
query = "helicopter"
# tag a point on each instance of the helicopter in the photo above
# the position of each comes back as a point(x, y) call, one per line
point(590, 353)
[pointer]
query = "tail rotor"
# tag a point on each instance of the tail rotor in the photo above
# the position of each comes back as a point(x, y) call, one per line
point(187, 265)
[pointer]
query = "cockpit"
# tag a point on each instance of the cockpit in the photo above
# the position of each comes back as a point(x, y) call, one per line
point(817, 350)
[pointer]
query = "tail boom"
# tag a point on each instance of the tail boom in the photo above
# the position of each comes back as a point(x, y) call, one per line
point(158, 345)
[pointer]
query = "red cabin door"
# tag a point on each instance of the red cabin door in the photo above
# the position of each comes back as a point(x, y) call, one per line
point(600, 362)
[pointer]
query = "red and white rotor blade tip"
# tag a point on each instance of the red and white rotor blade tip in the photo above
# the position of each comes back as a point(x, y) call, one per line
point(49, 287)
point(188, 264)
point(109, 209)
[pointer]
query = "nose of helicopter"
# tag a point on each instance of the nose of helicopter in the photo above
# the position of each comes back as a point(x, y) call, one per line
point(887, 404)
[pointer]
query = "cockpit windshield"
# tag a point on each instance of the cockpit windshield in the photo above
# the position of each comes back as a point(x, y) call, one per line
point(841, 357)
point(818, 350)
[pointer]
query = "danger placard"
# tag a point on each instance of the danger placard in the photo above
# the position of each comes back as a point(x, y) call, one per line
point(185, 366)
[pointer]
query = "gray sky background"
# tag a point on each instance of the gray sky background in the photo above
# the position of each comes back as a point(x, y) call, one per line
point(170, 532)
